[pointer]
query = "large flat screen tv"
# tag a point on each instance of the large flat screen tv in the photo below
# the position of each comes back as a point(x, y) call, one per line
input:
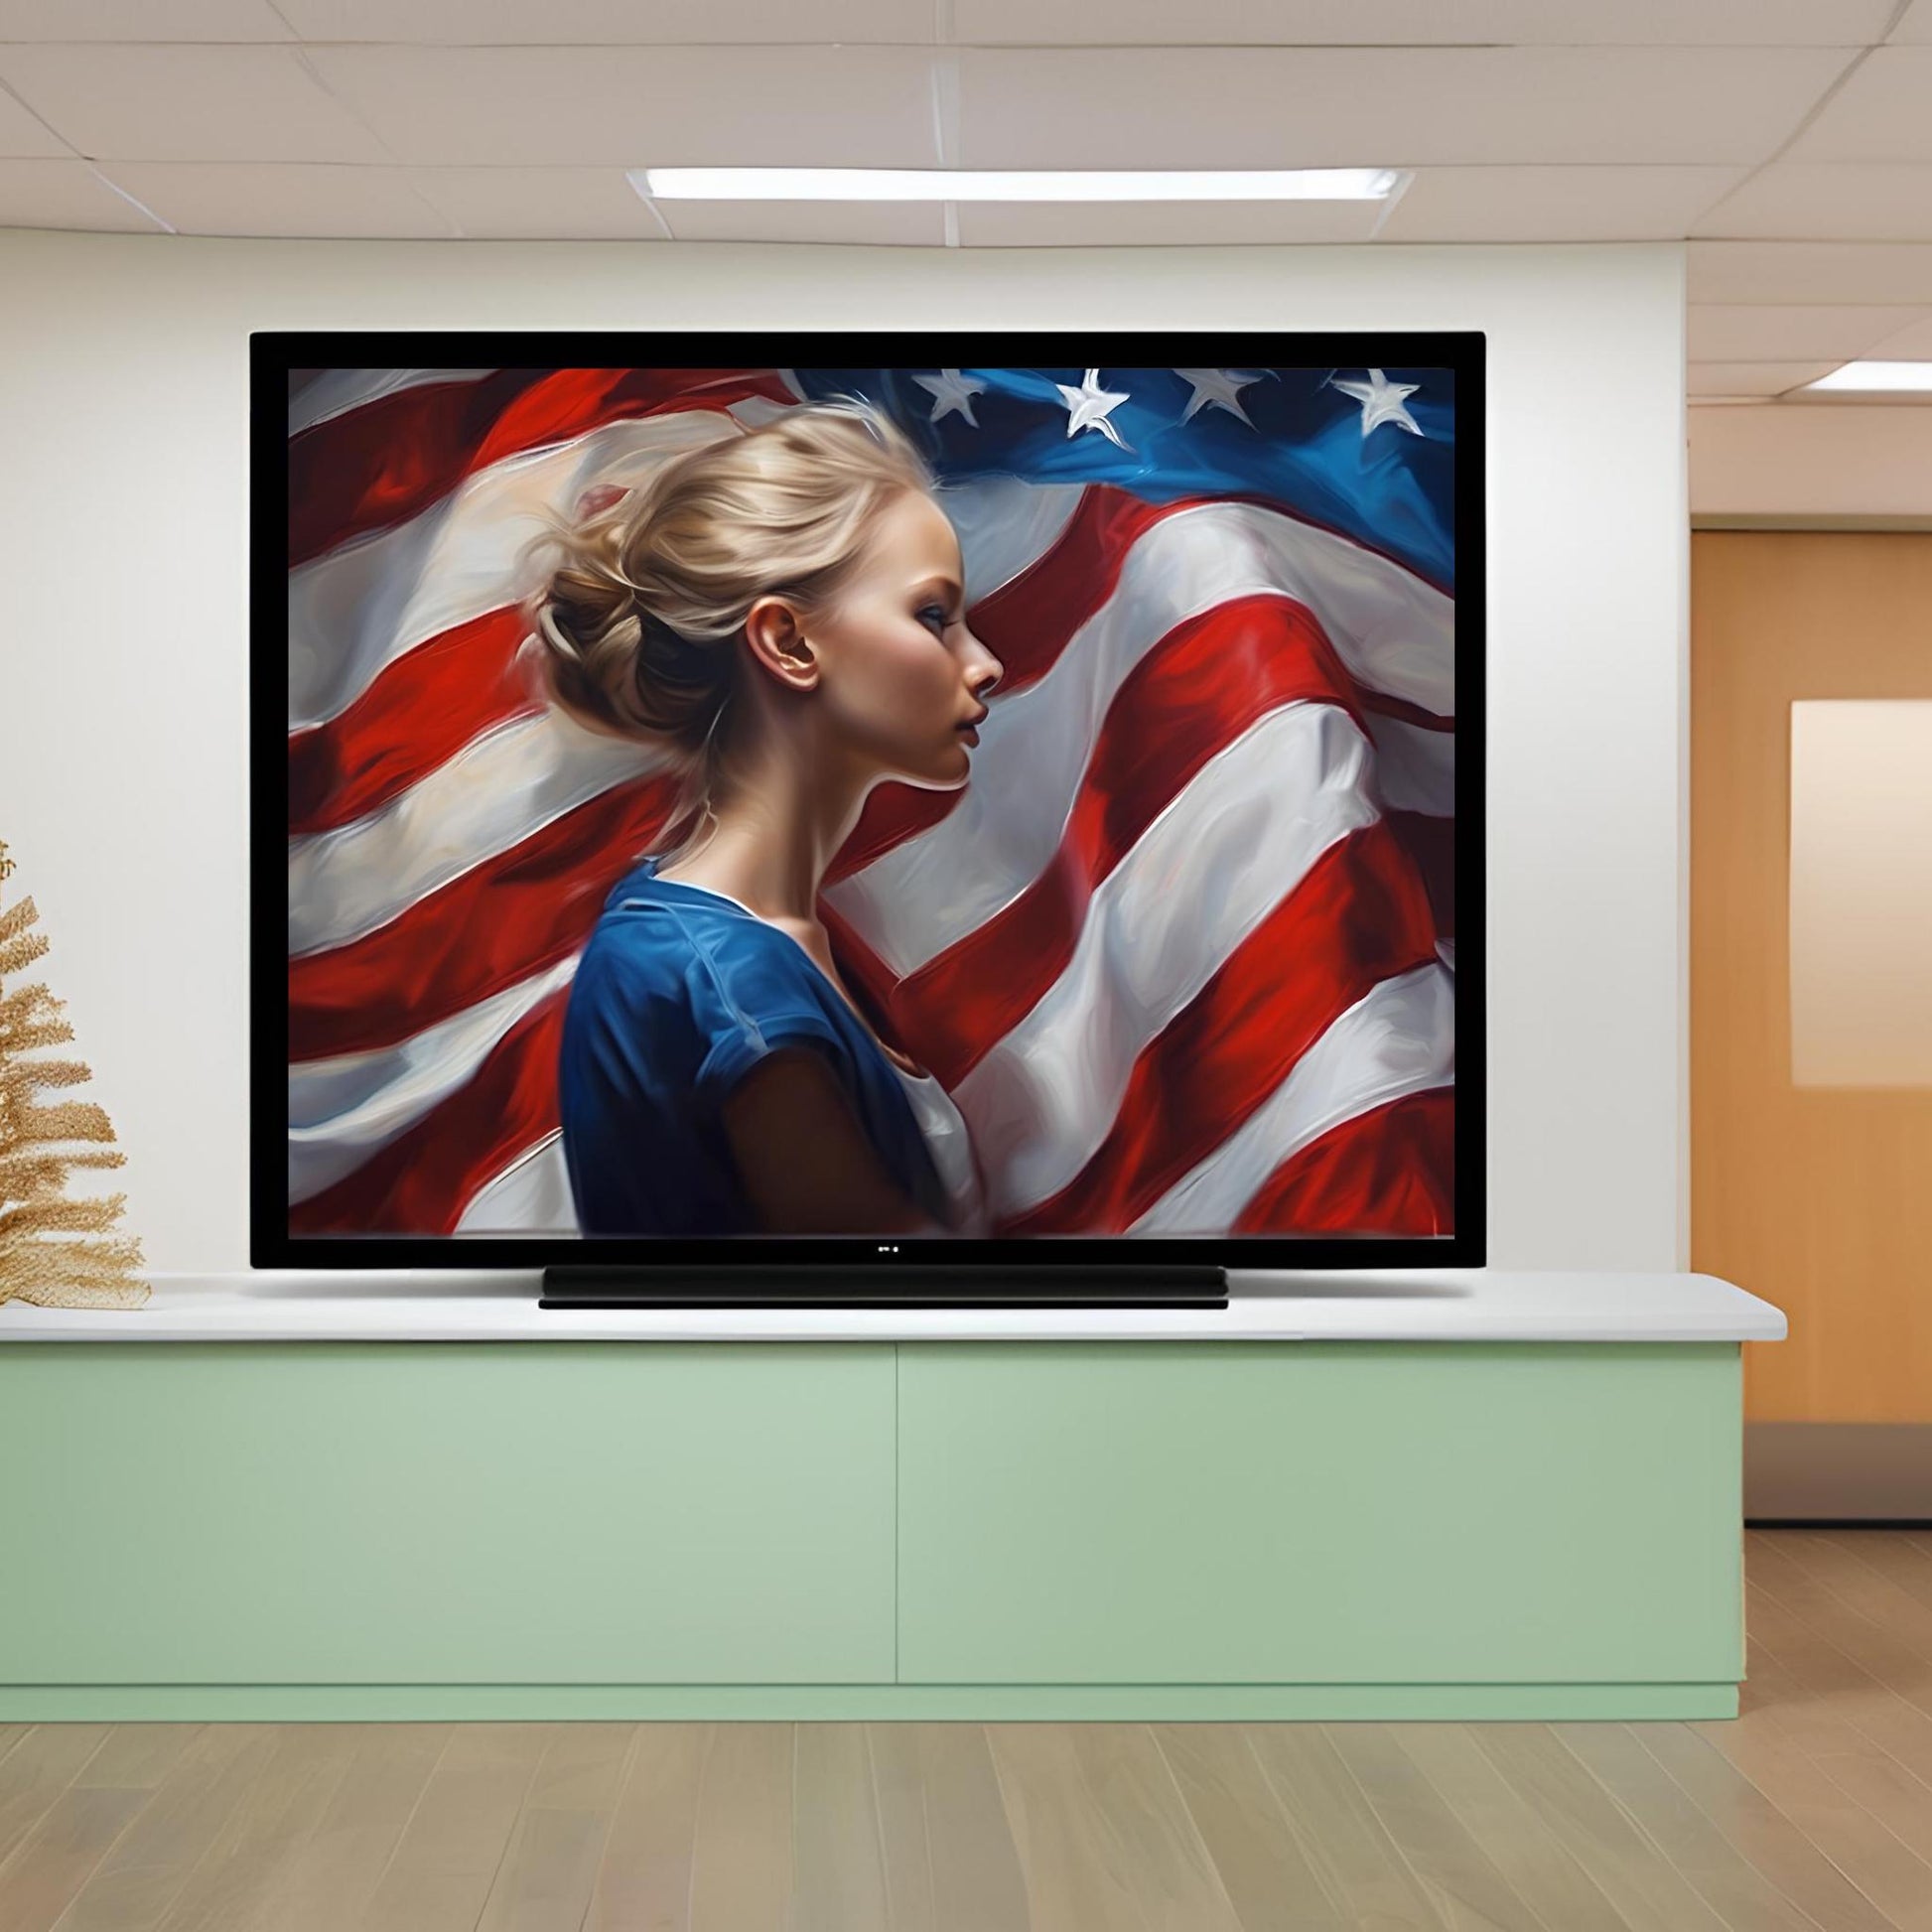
point(957, 814)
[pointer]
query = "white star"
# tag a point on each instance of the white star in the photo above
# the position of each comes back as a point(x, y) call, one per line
point(1220, 387)
point(950, 390)
point(1381, 401)
point(1087, 408)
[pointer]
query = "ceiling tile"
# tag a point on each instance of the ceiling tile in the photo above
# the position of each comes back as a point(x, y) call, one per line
point(1916, 27)
point(1723, 333)
point(25, 136)
point(630, 107)
point(1419, 23)
point(538, 203)
point(1882, 113)
point(1751, 378)
point(883, 223)
point(186, 103)
point(1843, 201)
point(1268, 107)
point(1912, 343)
point(1871, 273)
point(64, 195)
point(609, 23)
point(281, 199)
point(1114, 224)
point(142, 20)
point(1555, 204)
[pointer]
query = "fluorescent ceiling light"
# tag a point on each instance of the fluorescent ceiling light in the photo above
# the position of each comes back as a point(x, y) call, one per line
point(1879, 376)
point(1014, 185)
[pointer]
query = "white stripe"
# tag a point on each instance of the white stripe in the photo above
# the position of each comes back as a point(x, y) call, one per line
point(335, 392)
point(1211, 869)
point(1414, 766)
point(1399, 1040)
point(1005, 526)
point(344, 1110)
point(950, 1143)
point(530, 1196)
point(1392, 631)
point(494, 794)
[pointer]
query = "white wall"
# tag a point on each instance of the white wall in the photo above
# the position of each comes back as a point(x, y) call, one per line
point(123, 534)
point(1830, 463)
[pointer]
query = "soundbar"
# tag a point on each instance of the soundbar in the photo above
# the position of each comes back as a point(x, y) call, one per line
point(809, 1285)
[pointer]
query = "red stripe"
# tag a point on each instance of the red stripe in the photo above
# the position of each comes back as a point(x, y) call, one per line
point(1358, 918)
point(417, 714)
point(376, 466)
point(1390, 1171)
point(1409, 714)
point(1027, 620)
point(423, 1180)
point(1189, 698)
point(501, 922)
point(1431, 846)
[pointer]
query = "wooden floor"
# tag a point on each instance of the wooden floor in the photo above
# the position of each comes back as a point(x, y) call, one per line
point(1813, 1810)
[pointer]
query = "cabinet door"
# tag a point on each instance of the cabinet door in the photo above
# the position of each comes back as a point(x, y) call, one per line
point(422, 1513)
point(1318, 1513)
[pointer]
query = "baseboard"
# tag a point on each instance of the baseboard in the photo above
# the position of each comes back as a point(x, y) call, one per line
point(847, 1703)
point(1837, 1472)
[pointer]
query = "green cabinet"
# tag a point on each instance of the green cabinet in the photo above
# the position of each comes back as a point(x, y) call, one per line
point(430, 1513)
point(1319, 1513)
point(370, 1529)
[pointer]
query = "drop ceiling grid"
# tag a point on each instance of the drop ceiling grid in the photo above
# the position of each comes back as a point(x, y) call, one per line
point(1790, 140)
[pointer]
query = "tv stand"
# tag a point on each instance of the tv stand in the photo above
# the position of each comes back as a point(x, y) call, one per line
point(895, 1286)
point(1480, 1495)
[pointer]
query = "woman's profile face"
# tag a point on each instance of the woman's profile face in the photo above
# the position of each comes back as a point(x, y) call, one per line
point(901, 677)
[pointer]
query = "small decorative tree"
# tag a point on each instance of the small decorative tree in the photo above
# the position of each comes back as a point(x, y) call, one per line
point(46, 1255)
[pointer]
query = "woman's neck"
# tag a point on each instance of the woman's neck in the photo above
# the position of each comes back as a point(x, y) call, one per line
point(779, 817)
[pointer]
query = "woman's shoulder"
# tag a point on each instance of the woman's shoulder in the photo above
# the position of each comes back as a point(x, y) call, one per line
point(657, 936)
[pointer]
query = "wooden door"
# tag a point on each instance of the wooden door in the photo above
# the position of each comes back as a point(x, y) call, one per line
point(1818, 1198)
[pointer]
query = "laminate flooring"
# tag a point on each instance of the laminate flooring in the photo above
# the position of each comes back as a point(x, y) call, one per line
point(1812, 1812)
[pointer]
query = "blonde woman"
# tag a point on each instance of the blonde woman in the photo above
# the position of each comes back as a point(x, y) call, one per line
point(786, 610)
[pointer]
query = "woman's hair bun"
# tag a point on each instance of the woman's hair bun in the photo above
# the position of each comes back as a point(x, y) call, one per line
point(610, 659)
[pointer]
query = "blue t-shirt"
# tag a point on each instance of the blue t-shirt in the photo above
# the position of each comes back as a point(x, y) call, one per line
point(678, 994)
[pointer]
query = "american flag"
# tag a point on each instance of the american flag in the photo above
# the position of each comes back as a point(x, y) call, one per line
point(1184, 950)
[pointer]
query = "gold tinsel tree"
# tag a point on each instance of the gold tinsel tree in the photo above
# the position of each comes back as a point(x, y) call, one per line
point(52, 1249)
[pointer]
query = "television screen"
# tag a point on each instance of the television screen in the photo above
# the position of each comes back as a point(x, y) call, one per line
point(989, 792)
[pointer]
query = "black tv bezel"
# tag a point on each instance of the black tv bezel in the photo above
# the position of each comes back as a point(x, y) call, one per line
point(274, 354)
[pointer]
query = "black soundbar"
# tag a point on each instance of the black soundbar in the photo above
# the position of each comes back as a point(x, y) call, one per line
point(808, 1286)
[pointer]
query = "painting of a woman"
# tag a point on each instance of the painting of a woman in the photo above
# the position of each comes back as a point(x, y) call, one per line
point(783, 609)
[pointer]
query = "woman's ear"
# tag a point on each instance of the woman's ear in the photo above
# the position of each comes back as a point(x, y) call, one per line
point(599, 498)
point(776, 634)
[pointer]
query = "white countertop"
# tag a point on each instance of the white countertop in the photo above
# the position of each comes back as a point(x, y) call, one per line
point(1420, 1304)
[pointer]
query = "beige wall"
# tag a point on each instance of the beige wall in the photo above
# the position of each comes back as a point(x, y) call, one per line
point(1824, 460)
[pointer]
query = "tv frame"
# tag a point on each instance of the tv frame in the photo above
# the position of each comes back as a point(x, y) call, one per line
point(274, 353)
